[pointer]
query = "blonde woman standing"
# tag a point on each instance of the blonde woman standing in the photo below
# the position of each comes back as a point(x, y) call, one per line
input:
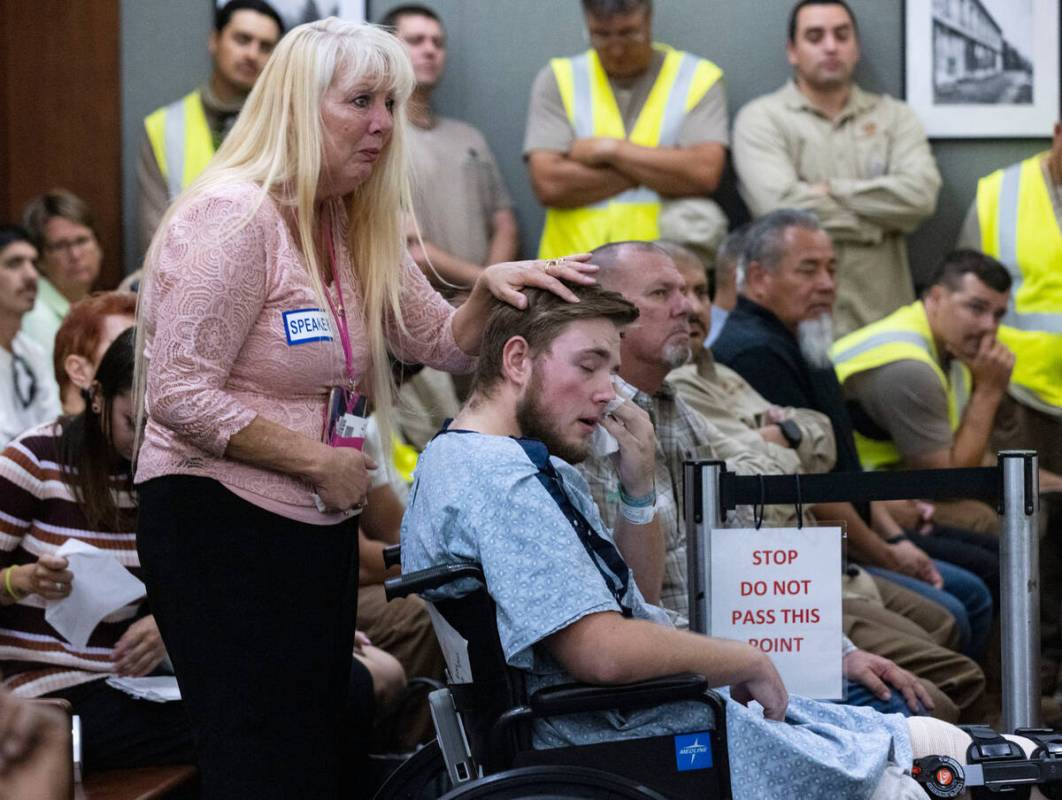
point(274, 289)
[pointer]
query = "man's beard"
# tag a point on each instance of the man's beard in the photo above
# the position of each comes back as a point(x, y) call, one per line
point(677, 354)
point(816, 337)
point(535, 423)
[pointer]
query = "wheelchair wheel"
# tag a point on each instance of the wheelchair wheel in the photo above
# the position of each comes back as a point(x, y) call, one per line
point(421, 777)
point(553, 783)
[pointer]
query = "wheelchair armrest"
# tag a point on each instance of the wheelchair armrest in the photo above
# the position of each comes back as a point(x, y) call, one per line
point(392, 555)
point(432, 578)
point(571, 698)
point(576, 698)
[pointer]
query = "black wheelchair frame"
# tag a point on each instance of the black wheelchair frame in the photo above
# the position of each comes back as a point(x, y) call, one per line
point(484, 724)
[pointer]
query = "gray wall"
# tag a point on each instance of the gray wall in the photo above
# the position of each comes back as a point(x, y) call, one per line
point(497, 47)
point(164, 55)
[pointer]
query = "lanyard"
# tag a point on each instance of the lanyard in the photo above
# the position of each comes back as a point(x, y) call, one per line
point(603, 554)
point(340, 314)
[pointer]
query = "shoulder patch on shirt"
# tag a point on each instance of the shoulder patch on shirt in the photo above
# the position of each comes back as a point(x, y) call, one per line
point(305, 325)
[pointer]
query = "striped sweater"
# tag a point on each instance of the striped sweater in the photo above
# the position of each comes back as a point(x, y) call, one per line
point(38, 513)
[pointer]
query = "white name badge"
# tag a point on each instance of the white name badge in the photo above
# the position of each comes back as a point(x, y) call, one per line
point(307, 325)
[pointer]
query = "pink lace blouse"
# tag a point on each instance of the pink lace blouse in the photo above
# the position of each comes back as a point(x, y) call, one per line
point(221, 349)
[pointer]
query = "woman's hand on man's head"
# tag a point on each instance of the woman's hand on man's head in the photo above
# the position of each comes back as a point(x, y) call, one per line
point(506, 280)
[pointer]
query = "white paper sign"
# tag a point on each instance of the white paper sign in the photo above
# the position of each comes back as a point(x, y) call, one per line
point(100, 587)
point(453, 645)
point(779, 589)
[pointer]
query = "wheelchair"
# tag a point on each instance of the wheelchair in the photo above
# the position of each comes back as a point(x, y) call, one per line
point(483, 723)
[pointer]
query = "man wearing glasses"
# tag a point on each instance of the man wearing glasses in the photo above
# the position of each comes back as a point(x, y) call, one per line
point(27, 390)
point(614, 131)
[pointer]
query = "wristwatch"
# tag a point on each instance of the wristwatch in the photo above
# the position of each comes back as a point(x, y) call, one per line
point(791, 431)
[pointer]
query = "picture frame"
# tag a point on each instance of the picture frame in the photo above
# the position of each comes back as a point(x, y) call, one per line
point(296, 12)
point(983, 68)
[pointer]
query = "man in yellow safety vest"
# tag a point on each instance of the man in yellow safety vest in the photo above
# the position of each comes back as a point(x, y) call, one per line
point(180, 138)
point(1017, 218)
point(613, 131)
point(923, 384)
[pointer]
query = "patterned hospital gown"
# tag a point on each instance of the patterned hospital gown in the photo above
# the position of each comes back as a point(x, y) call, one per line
point(478, 498)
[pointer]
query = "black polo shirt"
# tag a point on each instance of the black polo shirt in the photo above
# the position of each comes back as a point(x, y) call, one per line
point(755, 344)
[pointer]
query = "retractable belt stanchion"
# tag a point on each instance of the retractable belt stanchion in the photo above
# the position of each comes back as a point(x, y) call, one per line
point(711, 491)
point(994, 765)
point(703, 512)
point(1019, 566)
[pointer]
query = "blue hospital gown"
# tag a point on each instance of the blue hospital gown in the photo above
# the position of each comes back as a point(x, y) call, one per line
point(478, 498)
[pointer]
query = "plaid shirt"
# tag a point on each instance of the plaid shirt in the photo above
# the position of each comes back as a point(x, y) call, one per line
point(681, 434)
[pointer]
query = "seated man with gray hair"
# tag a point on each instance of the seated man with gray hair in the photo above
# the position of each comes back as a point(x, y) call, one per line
point(779, 340)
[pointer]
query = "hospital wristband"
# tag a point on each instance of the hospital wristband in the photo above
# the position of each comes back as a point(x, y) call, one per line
point(637, 515)
point(644, 501)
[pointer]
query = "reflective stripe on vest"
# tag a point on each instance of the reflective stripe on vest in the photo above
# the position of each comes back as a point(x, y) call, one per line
point(592, 112)
point(181, 140)
point(904, 335)
point(1019, 228)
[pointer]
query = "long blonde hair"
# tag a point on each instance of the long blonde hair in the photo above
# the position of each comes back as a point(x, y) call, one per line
point(277, 143)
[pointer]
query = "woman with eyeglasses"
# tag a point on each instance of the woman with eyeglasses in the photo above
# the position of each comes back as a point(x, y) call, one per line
point(28, 394)
point(70, 479)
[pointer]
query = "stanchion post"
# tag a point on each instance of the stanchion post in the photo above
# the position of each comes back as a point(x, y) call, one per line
point(1019, 567)
point(703, 512)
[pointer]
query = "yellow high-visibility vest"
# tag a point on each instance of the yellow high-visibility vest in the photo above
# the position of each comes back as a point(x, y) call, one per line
point(1019, 228)
point(592, 111)
point(181, 140)
point(904, 335)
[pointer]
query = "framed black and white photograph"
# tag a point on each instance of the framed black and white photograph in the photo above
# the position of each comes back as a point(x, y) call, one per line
point(296, 12)
point(983, 68)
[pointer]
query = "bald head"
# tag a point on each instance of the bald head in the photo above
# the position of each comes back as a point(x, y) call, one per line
point(659, 340)
point(618, 260)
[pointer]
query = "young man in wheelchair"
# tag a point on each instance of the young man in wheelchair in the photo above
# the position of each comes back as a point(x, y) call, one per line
point(496, 488)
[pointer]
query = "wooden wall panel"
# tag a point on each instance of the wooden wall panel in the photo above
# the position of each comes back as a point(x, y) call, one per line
point(60, 110)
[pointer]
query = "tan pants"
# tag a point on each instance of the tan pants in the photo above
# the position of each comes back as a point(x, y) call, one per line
point(917, 634)
point(970, 515)
point(403, 628)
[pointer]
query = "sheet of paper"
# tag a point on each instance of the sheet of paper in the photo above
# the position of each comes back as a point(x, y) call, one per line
point(156, 688)
point(100, 587)
point(454, 647)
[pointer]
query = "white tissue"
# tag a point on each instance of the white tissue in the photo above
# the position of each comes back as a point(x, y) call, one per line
point(603, 443)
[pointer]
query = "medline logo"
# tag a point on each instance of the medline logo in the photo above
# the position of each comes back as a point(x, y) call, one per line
point(693, 751)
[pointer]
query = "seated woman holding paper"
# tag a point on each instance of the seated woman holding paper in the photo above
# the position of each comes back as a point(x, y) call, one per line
point(69, 481)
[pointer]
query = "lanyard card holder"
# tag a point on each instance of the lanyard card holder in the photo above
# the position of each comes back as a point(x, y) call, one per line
point(347, 420)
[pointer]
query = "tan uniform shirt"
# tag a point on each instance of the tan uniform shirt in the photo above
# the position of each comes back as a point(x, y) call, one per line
point(457, 187)
point(970, 237)
point(728, 402)
point(905, 399)
point(883, 181)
